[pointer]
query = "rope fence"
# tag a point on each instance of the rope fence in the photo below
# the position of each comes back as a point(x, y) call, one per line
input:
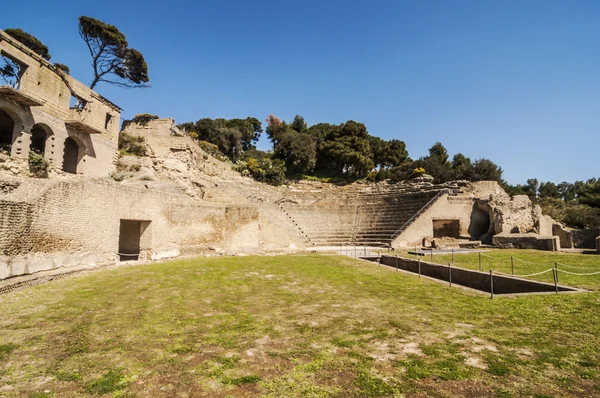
point(556, 266)
point(524, 276)
point(573, 273)
point(579, 268)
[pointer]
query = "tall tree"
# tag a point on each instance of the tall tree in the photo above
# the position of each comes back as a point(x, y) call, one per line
point(111, 55)
point(250, 130)
point(297, 150)
point(462, 168)
point(486, 170)
point(29, 41)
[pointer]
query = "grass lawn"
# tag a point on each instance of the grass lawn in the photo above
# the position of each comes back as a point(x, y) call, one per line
point(291, 326)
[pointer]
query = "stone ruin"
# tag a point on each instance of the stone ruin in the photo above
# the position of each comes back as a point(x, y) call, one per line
point(97, 208)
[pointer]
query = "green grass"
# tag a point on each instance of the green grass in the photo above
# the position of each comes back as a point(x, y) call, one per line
point(527, 262)
point(293, 326)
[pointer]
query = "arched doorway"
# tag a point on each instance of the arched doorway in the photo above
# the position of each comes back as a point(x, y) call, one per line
point(7, 129)
point(39, 136)
point(73, 153)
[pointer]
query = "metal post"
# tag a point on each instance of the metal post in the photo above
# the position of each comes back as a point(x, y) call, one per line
point(491, 284)
point(365, 251)
point(452, 255)
point(555, 275)
point(480, 269)
point(556, 268)
point(419, 267)
point(512, 264)
point(396, 262)
point(450, 274)
point(432, 254)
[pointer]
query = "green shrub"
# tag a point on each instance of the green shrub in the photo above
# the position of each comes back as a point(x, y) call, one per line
point(142, 119)
point(38, 166)
point(120, 175)
point(132, 145)
point(211, 149)
point(271, 171)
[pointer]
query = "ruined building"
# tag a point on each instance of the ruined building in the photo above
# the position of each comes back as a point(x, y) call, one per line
point(97, 208)
point(73, 127)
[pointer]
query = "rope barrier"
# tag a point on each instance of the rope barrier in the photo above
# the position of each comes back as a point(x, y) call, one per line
point(573, 273)
point(523, 276)
point(527, 262)
point(581, 268)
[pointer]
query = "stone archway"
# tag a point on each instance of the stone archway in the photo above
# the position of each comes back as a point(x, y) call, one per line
point(39, 136)
point(73, 153)
point(7, 131)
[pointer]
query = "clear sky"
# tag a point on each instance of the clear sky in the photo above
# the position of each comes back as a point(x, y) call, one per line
point(517, 82)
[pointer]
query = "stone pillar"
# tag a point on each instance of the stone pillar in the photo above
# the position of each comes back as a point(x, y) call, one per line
point(20, 146)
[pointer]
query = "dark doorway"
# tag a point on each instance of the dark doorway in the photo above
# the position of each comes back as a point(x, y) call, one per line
point(480, 224)
point(38, 140)
point(130, 233)
point(449, 228)
point(71, 156)
point(7, 128)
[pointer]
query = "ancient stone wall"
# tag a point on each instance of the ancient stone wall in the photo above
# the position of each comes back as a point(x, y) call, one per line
point(585, 238)
point(44, 100)
point(77, 222)
point(526, 241)
point(446, 207)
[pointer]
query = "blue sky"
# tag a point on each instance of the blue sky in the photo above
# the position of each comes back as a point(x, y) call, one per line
point(517, 82)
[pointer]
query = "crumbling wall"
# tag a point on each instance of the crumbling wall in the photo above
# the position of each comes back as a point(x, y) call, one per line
point(77, 222)
point(94, 124)
point(446, 207)
point(585, 238)
point(526, 241)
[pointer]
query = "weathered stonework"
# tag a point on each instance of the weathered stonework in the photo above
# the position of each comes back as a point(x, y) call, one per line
point(42, 107)
point(181, 201)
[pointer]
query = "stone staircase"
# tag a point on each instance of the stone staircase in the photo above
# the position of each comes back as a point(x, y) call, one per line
point(369, 215)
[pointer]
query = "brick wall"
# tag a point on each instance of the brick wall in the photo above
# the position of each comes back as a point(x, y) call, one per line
point(77, 222)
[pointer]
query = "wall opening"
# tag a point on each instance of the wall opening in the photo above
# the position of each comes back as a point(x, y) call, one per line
point(131, 239)
point(72, 155)
point(7, 128)
point(39, 136)
point(446, 228)
point(107, 121)
point(480, 223)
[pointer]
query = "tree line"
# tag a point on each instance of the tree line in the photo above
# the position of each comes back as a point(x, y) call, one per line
point(343, 151)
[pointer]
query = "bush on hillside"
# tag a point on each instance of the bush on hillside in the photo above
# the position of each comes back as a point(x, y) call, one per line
point(38, 166)
point(133, 145)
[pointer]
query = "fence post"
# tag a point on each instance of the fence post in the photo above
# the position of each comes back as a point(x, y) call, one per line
point(491, 284)
point(432, 254)
point(452, 255)
point(450, 274)
point(555, 275)
point(480, 261)
point(419, 267)
point(365, 251)
point(556, 268)
point(396, 262)
point(512, 264)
